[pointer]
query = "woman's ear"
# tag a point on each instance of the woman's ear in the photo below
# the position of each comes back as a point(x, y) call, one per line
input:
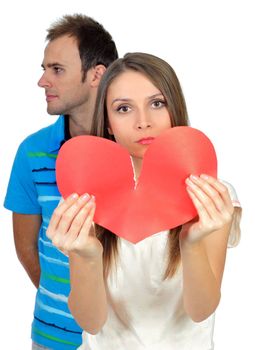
point(109, 129)
point(97, 73)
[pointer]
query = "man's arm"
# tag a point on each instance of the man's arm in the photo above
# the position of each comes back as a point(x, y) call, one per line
point(26, 228)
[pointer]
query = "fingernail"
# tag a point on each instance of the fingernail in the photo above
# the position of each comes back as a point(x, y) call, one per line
point(84, 197)
point(188, 182)
point(193, 177)
point(204, 176)
point(74, 195)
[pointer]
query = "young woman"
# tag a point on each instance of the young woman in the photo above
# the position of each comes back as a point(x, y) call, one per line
point(160, 293)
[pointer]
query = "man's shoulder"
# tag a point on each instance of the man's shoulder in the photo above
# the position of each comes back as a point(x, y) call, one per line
point(44, 136)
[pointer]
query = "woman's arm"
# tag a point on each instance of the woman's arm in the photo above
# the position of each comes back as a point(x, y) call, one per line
point(87, 300)
point(203, 245)
point(72, 231)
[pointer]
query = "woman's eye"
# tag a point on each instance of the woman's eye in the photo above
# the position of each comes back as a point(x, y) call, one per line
point(123, 109)
point(158, 103)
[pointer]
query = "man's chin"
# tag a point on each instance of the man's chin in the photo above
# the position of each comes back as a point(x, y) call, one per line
point(54, 111)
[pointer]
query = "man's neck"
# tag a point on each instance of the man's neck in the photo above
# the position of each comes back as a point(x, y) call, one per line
point(81, 119)
point(79, 126)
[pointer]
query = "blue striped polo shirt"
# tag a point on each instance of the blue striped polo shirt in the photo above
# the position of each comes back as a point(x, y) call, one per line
point(32, 189)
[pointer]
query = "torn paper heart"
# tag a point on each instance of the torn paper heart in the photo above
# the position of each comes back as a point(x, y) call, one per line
point(89, 164)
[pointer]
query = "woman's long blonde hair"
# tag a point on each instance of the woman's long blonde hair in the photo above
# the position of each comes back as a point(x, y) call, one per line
point(161, 74)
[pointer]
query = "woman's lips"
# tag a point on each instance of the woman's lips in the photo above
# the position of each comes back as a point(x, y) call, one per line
point(145, 141)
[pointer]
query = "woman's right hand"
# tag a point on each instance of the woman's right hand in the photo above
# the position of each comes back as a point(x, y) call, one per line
point(71, 227)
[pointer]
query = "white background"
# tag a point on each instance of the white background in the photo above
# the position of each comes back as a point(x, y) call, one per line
point(210, 44)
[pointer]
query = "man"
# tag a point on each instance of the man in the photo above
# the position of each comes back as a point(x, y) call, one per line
point(78, 51)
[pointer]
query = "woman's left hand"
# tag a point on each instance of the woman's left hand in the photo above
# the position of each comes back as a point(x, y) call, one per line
point(214, 207)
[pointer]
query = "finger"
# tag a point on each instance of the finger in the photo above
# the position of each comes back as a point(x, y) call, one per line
point(75, 230)
point(210, 189)
point(70, 213)
point(226, 206)
point(220, 187)
point(208, 220)
point(88, 228)
point(212, 202)
point(206, 204)
point(57, 214)
point(72, 220)
point(201, 210)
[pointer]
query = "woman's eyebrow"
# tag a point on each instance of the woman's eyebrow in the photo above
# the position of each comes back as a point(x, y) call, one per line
point(126, 99)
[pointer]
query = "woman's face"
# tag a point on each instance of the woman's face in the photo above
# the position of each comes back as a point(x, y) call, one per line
point(137, 112)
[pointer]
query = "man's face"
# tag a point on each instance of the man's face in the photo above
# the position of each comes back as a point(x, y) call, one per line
point(62, 77)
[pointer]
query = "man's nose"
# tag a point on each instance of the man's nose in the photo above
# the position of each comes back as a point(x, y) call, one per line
point(43, 81)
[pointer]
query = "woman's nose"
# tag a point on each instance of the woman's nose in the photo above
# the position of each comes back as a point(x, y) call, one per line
point(143, 121)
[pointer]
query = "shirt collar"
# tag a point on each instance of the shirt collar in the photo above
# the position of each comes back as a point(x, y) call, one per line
point(59, 133)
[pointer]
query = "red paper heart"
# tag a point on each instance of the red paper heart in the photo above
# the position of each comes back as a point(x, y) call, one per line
point(159, 201)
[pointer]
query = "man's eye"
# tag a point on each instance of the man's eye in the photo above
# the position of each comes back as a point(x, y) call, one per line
point(58, 69)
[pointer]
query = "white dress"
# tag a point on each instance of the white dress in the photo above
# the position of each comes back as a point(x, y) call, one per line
point(144, 312)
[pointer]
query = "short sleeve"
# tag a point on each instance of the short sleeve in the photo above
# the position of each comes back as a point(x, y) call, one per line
point(235, 231)
point(21, 196)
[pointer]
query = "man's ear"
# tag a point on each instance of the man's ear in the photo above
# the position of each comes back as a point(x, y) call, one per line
point(97, 73)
